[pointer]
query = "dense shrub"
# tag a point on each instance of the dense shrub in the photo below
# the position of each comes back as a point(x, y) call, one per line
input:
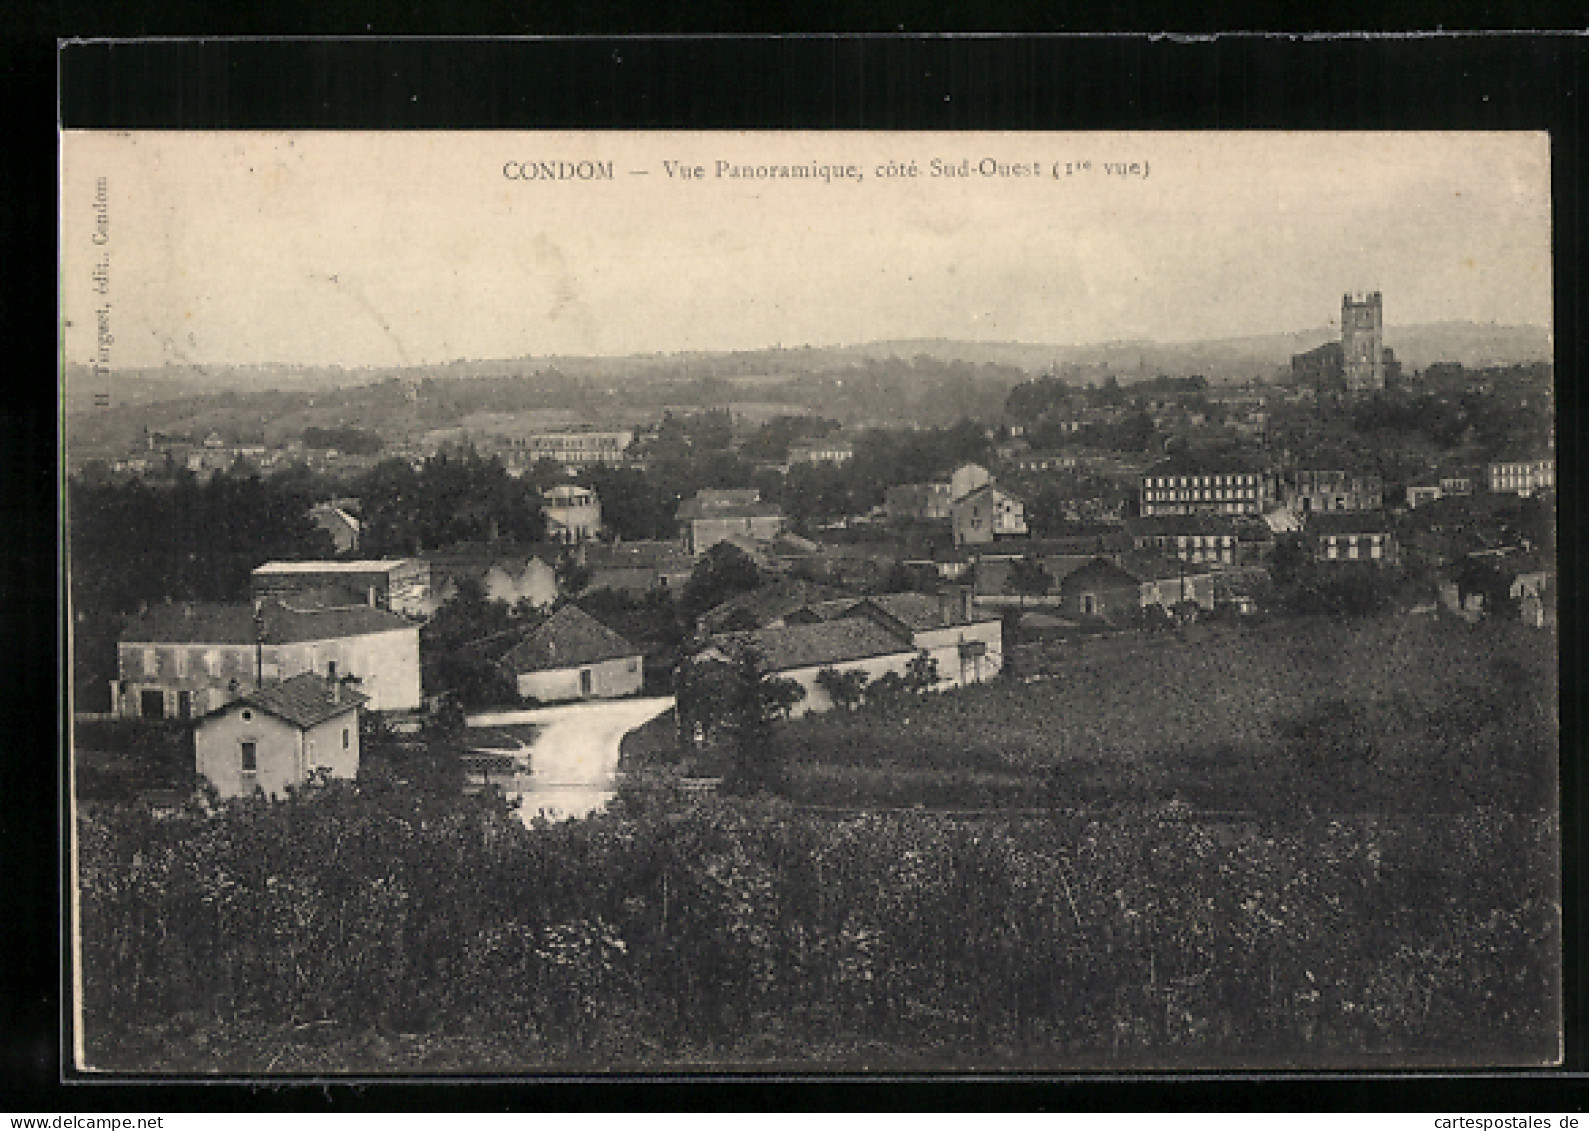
point(346, 931)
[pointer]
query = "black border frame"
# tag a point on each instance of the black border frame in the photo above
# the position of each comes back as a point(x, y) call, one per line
point(907, 82)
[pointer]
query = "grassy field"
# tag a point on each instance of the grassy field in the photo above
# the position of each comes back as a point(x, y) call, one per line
point(1342, 714)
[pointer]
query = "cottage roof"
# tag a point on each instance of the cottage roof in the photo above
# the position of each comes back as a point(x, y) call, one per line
point(768, 603)
point(1155, 567)
point(634, 555)
point(1099, 572)
point(820, 645)
point(304, 700)
point(568, 638)
point(194, 623)
point(921, 611)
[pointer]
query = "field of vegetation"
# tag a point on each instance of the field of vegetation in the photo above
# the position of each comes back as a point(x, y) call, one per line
point(1384, 715)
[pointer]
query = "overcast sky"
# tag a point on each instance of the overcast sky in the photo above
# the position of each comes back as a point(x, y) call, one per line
point(381, 249)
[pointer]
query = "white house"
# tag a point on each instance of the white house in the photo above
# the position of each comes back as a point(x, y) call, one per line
point(185, 660)
point(279, 734)
point(573, 656)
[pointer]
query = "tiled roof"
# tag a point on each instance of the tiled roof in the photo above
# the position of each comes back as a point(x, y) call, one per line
point(304, 700)
point(1099, 571)
point(820, 645)
point(198, 623)
point(635, 555)
point(921, 611)
point(569, 637)
point(768, 603)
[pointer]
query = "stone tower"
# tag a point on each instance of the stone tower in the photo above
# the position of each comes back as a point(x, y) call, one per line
point(1363, 342)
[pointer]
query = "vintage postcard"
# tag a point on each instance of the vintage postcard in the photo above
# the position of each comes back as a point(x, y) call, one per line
point(810, 602)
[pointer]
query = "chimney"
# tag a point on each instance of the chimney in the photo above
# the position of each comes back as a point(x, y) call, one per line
point(187, 610)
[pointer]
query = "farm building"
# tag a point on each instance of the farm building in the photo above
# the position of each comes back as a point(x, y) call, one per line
point(573, 656)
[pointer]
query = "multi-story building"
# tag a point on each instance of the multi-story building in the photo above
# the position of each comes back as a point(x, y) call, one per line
point(573, 513)
point(1363, 342)
point(399, 584)
point(1199, 538)
point(1522, 477)
point(987, 513)
point(821, 451)
point(1174, 488)
point(572, 448)
point(1351, 536)
point(1336, 490)
point(714, 516)
point(184, 660)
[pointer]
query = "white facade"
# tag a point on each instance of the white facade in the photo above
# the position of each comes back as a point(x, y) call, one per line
point(605, 679)
point(192, 679)
point(244, 749)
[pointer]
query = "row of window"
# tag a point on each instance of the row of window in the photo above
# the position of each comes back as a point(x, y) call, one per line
point(1201, 495)
point(182, 663)
point(1375, 547)
point(1200, 481)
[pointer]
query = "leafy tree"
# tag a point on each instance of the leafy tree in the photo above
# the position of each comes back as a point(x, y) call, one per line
point(1028, 578)
point(921, 673)
point(846, 687)
point(723, 571)
point(734, 703)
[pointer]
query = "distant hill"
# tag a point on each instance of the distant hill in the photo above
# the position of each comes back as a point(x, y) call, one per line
point(1220, 360)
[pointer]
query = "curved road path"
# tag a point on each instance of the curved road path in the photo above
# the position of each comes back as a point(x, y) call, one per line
point(574, 757)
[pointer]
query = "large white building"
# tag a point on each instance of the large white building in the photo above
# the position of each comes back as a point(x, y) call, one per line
point(186, 660)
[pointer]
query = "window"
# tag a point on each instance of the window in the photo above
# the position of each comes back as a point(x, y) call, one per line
point(151, 662)
point(152, 703)
point(249, 753)
point(345, 739)
point(181, 657)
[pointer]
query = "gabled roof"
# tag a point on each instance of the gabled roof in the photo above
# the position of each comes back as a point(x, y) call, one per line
point(988, 489)
point(1100, 572)
point(819, 645)
point(919, 612)
point(568, 638)
point(768, 603)
point(304, 700)
point(198, 623)
point(1154, 567)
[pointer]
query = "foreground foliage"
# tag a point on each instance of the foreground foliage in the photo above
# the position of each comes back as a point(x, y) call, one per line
point(380, 930)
